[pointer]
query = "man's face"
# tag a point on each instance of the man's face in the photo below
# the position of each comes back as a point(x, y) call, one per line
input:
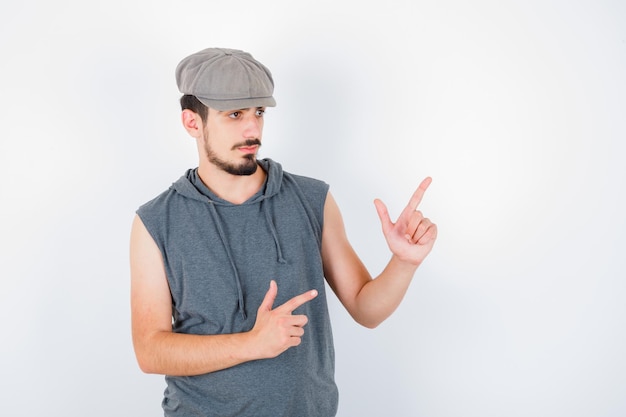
point(232, 139)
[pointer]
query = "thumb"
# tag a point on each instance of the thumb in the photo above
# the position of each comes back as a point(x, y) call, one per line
point(383, 215)
point(270, 296)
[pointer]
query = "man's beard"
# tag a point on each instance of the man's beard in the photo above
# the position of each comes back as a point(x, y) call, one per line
point(247, 166)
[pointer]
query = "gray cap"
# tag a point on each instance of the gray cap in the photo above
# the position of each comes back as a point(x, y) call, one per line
point(226, 79)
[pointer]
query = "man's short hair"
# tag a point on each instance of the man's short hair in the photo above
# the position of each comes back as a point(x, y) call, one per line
point(189, 102)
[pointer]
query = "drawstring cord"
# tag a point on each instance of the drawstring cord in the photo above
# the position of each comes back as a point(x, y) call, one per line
point(270, 224)
point(220, 231)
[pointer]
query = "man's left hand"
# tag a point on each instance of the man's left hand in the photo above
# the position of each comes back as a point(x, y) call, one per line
point(412, 236)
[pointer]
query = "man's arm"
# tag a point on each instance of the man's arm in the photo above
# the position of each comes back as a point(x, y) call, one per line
point(370, 301)
point(161, 351)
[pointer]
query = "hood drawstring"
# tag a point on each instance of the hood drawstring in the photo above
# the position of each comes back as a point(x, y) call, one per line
point(270, 224)
point(190, 185)
point(220, 231)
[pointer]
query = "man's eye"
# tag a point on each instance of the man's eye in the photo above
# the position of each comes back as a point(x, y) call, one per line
point(260, 112)
point(234, 115)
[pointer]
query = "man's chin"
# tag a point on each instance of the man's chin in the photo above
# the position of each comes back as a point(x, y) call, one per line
point(247, 168)
point(248, 172)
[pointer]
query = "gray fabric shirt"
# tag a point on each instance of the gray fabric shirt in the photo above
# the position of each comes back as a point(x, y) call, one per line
point(219, 259)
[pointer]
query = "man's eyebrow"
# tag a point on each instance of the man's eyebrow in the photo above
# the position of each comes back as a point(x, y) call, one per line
point(244, 109)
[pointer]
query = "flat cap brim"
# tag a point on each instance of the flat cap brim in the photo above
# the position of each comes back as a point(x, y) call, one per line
point(237, 104)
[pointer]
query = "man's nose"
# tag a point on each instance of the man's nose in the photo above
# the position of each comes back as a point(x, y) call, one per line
point(252, 129)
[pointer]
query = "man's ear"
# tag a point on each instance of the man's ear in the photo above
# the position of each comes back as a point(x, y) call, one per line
point(192, 123)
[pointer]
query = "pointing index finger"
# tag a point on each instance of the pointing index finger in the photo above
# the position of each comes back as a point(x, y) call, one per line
point(416, 198)
point(290, 305)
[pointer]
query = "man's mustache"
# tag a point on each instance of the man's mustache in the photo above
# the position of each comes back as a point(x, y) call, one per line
point(248, 142)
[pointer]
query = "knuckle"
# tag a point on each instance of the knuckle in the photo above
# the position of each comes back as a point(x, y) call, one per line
point(295, 302)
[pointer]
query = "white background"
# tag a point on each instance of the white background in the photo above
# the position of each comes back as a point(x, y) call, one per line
point(515, 108)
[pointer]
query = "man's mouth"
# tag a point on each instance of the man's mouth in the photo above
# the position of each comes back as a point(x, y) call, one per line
point(249, 146)
point(248, 149)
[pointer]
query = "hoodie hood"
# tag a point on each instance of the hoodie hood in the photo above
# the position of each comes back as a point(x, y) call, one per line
point(191, 186)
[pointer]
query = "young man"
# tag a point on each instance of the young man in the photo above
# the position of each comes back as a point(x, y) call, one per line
point(228, 265)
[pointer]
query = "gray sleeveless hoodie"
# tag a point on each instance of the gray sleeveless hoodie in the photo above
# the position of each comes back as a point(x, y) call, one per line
point(219, 259)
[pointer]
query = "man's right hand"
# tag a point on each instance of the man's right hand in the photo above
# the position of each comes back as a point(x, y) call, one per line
point(277, 329)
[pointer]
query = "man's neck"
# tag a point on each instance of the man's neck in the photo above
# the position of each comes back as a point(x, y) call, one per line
point(235, 189)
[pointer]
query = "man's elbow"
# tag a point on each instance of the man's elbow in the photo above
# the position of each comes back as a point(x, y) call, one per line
point(369, 323)
point(146, 360)
point(146, 365)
